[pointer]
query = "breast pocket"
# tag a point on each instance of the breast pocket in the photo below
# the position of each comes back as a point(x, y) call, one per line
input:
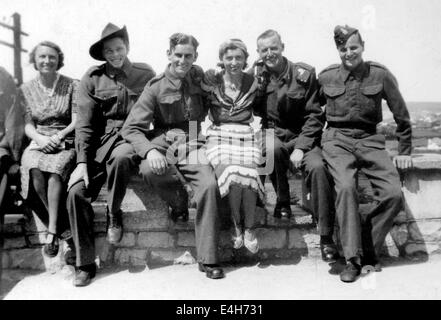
point(335, 101)
point(171, 107)
point(107, 99)
point(371, 101)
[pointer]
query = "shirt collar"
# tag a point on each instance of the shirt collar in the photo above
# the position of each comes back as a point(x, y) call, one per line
point(357, 73)
point(285, 76)
point(177, 82)
point(125, 70)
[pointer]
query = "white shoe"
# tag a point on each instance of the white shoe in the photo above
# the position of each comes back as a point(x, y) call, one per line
point(251, 245)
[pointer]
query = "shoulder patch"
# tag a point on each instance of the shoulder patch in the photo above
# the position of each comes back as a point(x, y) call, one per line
point(96, 69)
point(155, 79)
point(331, 67)
point(303, 71)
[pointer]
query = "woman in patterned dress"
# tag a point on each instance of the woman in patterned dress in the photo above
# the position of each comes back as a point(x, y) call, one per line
point(232, 147)
point(47, 162)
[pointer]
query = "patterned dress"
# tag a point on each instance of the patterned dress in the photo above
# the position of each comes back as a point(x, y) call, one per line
point(233, 148)
point(50, 112)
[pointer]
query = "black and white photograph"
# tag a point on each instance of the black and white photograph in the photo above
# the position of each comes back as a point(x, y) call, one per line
point(237, 151)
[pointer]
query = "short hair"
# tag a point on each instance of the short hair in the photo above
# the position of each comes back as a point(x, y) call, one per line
point(49, 44)
point(182, 38)
point(233, 44)
point(268, 34)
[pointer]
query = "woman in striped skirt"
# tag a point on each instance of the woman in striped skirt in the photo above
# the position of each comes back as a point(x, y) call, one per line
point(232, 147)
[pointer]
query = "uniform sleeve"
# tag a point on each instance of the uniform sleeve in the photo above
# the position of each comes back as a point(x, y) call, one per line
point(75, 92)
point(87, 112)
point(314, 116)
point(139, 121)
point(399, 110)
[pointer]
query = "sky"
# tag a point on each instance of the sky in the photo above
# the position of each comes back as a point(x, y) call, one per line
point(404, 35)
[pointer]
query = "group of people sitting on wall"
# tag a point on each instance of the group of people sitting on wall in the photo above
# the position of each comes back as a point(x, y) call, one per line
point(121, 118)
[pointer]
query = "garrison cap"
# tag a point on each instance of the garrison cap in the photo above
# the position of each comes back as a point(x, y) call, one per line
point(342, 34)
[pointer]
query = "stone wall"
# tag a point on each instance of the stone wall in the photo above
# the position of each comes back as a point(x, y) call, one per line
point(151, 238)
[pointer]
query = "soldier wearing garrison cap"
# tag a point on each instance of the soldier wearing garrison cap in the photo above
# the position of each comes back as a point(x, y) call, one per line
point(290, 107)
point(352, 92)
point(106, 95)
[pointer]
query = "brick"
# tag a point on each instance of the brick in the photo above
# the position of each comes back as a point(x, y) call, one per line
point(27, 259)
point(128, 240)
point(6, 260)
point(271, 238)
point(135, 257)
point(155, 240)
point(145, 221)
point(296, 239)
point(186, 239)
point(164, 256)
point(14, 243)
point(426, 230)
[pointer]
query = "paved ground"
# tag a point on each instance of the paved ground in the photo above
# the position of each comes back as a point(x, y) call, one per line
point(304, 279)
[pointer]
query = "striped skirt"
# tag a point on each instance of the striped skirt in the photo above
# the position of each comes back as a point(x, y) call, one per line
point(235, 154)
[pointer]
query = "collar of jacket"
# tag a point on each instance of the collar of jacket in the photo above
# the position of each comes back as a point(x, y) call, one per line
point(358, 73)
point(125, 70)
point(176, 81)
point(285, 76)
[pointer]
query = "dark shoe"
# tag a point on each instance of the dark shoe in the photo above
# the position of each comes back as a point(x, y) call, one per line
point(51, 249)
point(350, 272)
point(212, 271)
point(282, 211)
point(84, 275)
point(371, 261)
point(114, 227)
point(329, 252)
point(176, 213)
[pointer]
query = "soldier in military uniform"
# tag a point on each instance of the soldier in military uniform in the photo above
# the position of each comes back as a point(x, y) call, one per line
point(290, 107)
point(107, 93)
point(352, 92)
point(11, 134)
point(174, 103)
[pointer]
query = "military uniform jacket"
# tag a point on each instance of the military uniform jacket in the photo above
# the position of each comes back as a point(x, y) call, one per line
point(353, 100)
point(166, 104)
point(106, 96)
point(11, 117)
point(289, 104)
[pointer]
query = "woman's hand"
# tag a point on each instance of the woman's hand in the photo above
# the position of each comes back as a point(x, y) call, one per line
point(80, 173)
point(46, 144)
point(402, 161)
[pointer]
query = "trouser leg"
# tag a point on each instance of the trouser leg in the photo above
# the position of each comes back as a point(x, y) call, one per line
point(120, 166)
point(386, 186)
point(342, 166)
point(279, 177)
point(81, 218)
point(319, 182)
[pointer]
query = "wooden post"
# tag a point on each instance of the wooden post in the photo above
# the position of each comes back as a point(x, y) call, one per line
point(18, 72)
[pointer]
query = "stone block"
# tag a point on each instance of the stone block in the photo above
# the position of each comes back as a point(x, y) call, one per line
point(37, 239)
point(296, 240)
point(144, 221)
point(186, 239)
point(155, 240)
point(425, 230)
point(164, 256)
point(136, 257)
point(12, 224)
point(27, 259)
point(14, 243)
point(128, 240)
point(6, 260)
point(271, 238)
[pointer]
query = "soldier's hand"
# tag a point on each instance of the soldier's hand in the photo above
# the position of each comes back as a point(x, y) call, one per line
point(157, 161)
point(80, 173)
point(402, 161)
point(296, 158)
